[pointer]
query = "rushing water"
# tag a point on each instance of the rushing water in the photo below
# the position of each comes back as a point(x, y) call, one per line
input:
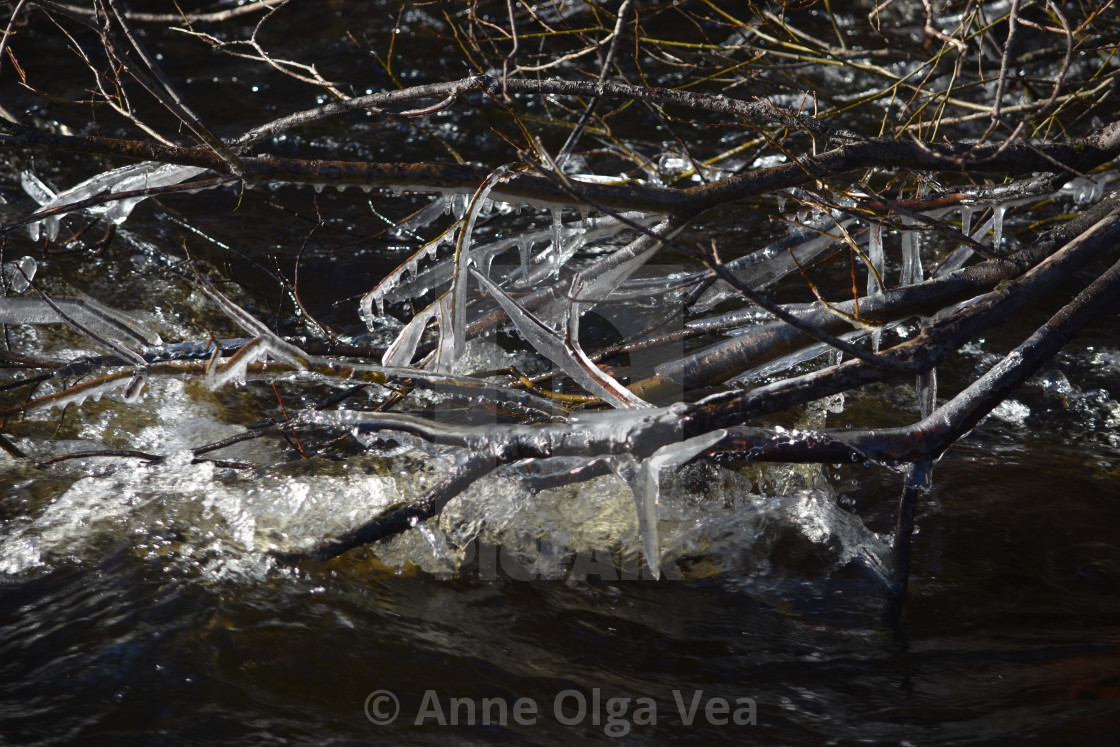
point(139, 603)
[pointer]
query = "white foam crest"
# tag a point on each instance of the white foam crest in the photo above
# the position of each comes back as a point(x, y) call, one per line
point(92, 508)
point(201, 514)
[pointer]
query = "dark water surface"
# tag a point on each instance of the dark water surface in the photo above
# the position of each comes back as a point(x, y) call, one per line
point(136, 605)
point(1010, 630)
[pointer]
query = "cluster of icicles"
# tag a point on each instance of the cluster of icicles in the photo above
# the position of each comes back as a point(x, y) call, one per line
point(551, 327)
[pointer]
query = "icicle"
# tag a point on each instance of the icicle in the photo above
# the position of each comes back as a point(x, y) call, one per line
point(603, 277)
point(647, 490)
point(525, 254)
point(911, 258)
point(877, 258)
point(260, 348)
point(998, 212)
point(1098, 187)
point(486, 262)
point(783, 364)
point(773, 262)
point(396, 278)
point(907, 258)
point(28, 311)
point(554, 257)
point(966, 218)
point(410, 228)
point(43, 195)
point(918, 481)
point(926, 388)
point(458, 204)
point(573, 346)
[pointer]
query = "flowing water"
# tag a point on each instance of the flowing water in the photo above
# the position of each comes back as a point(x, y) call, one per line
point(139, 601)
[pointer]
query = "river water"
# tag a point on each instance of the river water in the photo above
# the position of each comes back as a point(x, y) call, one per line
point(138, 602)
